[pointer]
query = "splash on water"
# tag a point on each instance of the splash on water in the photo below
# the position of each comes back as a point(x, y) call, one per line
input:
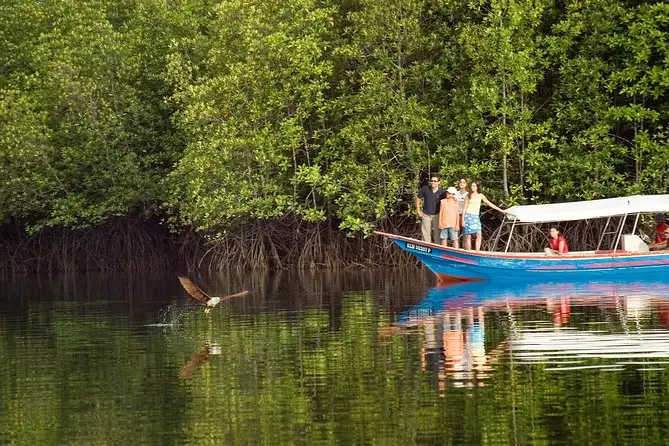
point(172, 315)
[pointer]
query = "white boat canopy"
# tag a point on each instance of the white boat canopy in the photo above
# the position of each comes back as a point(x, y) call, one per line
point(583, 210)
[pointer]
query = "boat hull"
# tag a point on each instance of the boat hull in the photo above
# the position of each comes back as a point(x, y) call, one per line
point(452, 265)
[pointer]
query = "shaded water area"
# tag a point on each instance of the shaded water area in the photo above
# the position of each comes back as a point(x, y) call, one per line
point(381, 357)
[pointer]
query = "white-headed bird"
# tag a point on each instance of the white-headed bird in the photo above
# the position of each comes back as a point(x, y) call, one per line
point(208, 301)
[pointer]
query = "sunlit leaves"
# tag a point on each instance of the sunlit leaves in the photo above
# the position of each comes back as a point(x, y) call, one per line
point(74, 102)
point(248, 111)
point(222, 112)
point(605, 110)
point(384, 122)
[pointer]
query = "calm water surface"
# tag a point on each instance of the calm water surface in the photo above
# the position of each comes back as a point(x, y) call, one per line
point(360, 357)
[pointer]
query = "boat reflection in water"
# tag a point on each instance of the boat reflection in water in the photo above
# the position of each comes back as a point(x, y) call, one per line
point(562, 326)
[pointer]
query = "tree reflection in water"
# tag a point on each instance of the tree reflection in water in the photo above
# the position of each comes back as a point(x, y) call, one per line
point(310, 358)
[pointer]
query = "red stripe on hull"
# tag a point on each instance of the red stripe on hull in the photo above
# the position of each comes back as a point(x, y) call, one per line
point(633, 263)
point(554, 267)
point(459, 259)
point(447, 279)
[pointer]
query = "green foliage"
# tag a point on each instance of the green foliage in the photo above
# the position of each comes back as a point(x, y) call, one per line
point(498, 89)
point(610, 129)
point(220, 112)
point(250, 108)
point(381, 119)
point(75, 134)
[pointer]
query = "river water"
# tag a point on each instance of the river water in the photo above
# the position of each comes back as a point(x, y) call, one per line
point(373, 357)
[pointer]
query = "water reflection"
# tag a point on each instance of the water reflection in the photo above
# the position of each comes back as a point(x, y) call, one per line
point(561, 326)
point(454, 347)
point(198, 359)
point(320, 358)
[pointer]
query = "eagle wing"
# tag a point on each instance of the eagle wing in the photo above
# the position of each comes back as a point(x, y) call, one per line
point(230, 296)
point(194, 290)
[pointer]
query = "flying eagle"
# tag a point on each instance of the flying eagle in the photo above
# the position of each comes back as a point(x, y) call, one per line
point(208, 301)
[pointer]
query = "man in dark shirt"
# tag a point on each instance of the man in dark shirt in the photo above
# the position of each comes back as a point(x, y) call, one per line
point(429, 212)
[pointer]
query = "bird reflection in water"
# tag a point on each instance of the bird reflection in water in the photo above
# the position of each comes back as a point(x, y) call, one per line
point(197, 360)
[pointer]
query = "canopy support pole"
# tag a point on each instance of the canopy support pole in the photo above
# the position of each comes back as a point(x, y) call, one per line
point(508, 241)
point(601, 237)
point(620, 231)
point(636, 221)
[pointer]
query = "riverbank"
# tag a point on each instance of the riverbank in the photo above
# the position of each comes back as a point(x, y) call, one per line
point(132, 244)
point(136, 245)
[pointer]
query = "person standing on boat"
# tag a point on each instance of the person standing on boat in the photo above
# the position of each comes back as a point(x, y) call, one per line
point(461, 194)
point(431, 195)
point(558, 244)
point(471, 220)
point(449, 218)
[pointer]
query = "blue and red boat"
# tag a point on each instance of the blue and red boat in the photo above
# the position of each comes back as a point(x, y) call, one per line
point(629, 255)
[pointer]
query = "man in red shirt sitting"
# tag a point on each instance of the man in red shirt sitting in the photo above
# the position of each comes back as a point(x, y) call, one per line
point(659, 246)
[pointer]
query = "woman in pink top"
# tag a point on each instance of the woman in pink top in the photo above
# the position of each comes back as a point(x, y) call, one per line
point(449, 221)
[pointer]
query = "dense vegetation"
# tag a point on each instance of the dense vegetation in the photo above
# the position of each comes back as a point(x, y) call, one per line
point(264, 125)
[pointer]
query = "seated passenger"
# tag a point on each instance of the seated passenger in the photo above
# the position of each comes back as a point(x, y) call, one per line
point(558, 245)
point(660, 228)
point(449, 221)
point(664, 244)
